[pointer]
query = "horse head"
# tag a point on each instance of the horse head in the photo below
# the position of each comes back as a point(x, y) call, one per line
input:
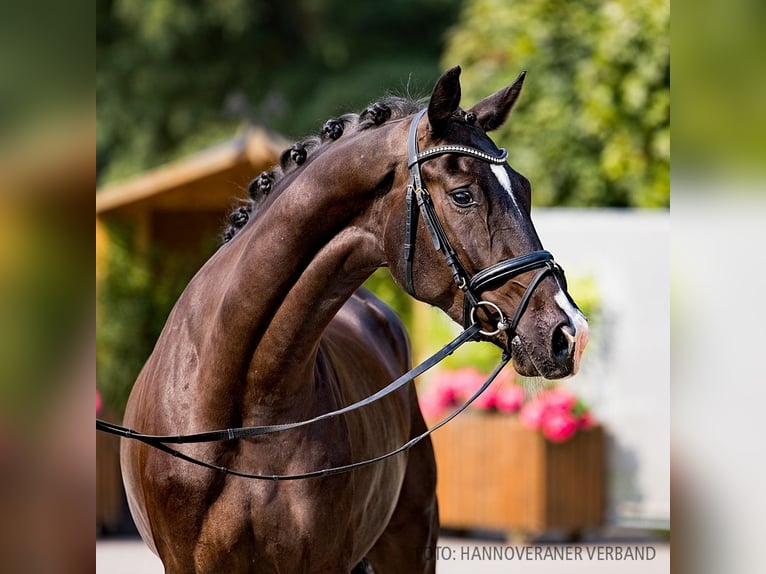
point(477, 216)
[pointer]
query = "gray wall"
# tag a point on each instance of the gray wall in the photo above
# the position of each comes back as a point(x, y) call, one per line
point(625, 374)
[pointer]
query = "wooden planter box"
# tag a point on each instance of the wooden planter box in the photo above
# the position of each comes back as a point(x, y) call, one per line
point(494, 473)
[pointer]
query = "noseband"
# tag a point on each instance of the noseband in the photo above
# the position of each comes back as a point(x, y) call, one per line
point(471, 287)
point(419, 201)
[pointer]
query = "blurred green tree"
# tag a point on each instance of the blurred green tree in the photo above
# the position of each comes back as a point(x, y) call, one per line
point(593, 125)
point(133, 300)
point(176, 75)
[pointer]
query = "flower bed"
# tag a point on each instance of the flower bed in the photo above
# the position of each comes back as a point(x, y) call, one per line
point(514, 462)
point(554, 411)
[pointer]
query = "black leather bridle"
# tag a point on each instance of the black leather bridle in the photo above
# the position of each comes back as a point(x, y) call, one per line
point(419, 201)
point(471, 287)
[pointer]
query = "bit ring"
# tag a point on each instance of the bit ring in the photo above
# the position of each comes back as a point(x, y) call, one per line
point(502, 324)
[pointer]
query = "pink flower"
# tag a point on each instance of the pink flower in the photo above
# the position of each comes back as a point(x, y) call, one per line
point(444, 395)
point(486, 401)
point(560, 399)
point(466, 382)
point(435, 400)
point(509, 399)
point(532, 413)
point(586, 421)
point(559, 426)
point(430, 405)
point(98, 402)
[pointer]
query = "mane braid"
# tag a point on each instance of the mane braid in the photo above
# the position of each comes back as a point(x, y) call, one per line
point(293, 158)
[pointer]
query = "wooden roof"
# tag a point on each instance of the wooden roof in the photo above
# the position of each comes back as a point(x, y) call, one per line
point(206, 180)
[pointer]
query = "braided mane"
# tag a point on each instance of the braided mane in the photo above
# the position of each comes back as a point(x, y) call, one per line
point(267, 183)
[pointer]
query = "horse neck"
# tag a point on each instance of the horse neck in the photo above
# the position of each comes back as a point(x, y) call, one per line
point(287, 274)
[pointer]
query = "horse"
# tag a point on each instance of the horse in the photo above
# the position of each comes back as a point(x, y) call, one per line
point(277, 327)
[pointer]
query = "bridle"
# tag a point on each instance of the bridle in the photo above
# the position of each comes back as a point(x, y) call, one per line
point(418, 201)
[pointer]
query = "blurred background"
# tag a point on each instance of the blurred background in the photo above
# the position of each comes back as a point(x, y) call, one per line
point(196, 98)
point(201, 94)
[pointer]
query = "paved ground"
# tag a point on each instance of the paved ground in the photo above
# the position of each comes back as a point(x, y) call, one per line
point(459, 555)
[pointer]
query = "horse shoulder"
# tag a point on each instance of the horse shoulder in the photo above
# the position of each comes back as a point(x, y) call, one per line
point(377, 323)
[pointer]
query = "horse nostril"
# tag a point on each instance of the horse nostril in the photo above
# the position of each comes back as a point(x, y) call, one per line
point(563, 342)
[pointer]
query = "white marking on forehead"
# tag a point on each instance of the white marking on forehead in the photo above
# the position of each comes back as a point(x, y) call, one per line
point(502, 176)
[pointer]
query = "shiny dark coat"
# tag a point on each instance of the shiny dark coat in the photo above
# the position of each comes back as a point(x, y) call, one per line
point(275, 328)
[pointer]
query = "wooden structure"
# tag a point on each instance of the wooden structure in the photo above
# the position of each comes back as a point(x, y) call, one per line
point(494, 473)
point(171, 208)
point(180, 203)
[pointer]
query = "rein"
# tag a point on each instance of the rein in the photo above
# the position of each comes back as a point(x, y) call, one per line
point(159, 441)
point(418, 202)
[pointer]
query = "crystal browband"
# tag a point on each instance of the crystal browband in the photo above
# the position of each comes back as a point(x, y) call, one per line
point(462, 150)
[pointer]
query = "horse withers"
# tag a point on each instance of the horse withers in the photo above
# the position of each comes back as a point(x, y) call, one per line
point(275, 328)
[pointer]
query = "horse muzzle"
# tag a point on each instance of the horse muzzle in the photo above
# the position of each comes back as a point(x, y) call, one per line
point(555, 355)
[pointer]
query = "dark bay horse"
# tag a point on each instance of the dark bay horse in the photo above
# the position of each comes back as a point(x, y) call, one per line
point(274, 328)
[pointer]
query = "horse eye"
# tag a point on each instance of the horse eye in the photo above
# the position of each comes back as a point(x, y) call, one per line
point(461, 198)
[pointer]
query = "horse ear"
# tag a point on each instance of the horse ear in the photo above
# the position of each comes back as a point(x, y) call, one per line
point(445, 99)
point(493, 110)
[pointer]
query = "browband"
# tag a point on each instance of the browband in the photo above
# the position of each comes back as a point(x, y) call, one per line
point(460, 150)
